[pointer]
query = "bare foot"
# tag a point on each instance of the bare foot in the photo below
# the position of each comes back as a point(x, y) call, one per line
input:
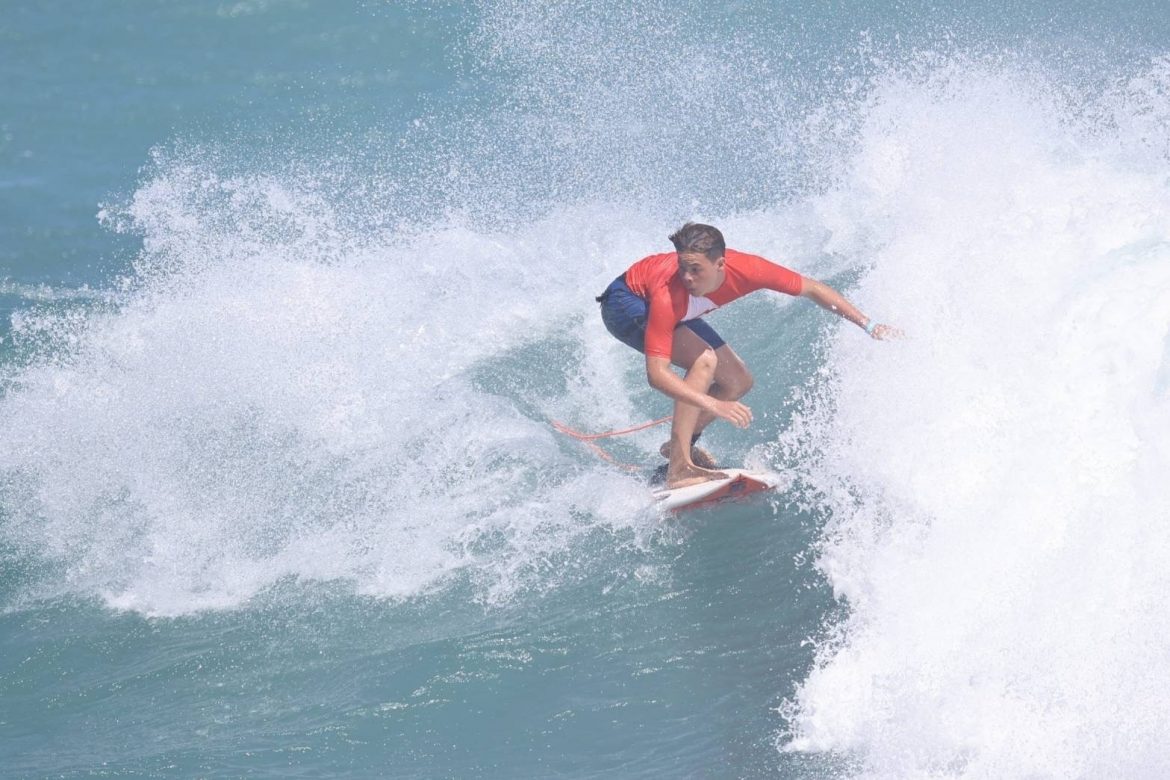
point(700, 456)
point(689, 474)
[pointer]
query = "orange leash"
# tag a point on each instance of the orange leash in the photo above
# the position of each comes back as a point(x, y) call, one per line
point(589, 438)
point(560, 426)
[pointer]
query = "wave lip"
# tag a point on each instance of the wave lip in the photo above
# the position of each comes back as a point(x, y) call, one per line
point(998, 524)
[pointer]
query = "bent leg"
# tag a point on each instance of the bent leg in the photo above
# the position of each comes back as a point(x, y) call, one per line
point(701, 362)
point(732, 382)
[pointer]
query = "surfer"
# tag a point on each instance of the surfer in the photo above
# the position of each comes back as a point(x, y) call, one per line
point(656, 307)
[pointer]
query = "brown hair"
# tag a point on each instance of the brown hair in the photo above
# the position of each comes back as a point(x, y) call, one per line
point(693, 237)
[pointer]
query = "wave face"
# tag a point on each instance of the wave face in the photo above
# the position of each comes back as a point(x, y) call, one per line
point(998, 525)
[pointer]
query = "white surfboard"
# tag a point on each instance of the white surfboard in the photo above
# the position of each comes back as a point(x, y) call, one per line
point(739, 483)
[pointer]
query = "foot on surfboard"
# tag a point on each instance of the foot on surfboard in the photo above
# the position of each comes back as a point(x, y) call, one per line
point(699, 456)
point(698, 476)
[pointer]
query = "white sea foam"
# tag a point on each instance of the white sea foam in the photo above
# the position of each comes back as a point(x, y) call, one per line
point(326, 370)
point(996, 482)
point(45, 293)
point(283, 397)
point(341, 369)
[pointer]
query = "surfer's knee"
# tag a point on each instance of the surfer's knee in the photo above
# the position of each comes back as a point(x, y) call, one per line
point(706, 363)
point(740, 384)
point(733, 386)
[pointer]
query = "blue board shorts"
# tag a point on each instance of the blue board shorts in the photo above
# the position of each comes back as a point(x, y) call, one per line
point(625, 314)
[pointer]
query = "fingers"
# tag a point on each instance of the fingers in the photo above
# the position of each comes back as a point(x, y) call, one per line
point(887, 332)
point(746, 414)
point(733, 411)
point(736, 413)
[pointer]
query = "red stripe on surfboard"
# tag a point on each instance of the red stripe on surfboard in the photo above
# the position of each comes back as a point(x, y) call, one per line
point(739, 487)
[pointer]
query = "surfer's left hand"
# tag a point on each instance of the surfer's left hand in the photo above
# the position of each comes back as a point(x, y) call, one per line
point(888, 333)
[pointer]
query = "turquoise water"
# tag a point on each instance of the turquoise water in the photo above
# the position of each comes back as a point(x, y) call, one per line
point(290, 292)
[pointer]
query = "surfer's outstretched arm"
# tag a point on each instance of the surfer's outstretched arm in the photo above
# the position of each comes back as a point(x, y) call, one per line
point(829, 299)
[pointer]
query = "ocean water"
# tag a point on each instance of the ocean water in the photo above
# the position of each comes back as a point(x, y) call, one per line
point(290, 291)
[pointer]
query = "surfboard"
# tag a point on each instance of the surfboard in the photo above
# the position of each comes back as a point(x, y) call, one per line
point(739, 483)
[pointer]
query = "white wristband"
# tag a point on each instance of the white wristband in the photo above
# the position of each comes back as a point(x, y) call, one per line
point(870, 327)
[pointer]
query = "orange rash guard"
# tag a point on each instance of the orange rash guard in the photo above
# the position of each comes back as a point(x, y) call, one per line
point(655, 279)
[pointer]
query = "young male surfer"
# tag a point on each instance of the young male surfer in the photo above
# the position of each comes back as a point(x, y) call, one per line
point(655, 307)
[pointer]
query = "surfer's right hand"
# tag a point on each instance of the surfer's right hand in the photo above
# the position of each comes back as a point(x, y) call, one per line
point(733, 411)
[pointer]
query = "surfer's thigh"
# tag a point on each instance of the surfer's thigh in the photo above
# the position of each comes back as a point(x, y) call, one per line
point(688, 348)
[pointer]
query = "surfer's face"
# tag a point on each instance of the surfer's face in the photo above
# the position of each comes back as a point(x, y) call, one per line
point(699, 275)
